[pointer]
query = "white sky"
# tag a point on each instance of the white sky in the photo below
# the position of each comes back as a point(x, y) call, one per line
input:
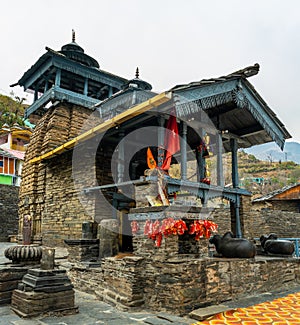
point(171, 41)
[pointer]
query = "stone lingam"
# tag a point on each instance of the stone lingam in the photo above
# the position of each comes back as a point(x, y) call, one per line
point(25, 254)
point(44, 289)
point(23, 257)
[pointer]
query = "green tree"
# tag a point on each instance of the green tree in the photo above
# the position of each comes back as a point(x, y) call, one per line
point(11, 110)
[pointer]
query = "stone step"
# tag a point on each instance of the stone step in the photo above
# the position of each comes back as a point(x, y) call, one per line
point(205, 312)
point(45, 281)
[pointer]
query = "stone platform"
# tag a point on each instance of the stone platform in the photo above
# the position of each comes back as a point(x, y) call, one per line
point(31, 304)
point(44, 291)
point(10, 276)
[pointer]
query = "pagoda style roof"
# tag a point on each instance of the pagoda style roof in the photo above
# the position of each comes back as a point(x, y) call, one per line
point(68, 75)
point(234, 107)
point(134, 92)
point(62, 59)
point(229, 106)
point(289, 192)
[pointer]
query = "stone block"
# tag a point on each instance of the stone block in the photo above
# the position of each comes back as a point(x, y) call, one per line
point(47, 261)
point(31, 304)
point(203, 313)
point(5, 297)
point(108, 231)
point(9, 285)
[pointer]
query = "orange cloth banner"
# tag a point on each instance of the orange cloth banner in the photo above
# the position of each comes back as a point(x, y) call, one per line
point(150, 159)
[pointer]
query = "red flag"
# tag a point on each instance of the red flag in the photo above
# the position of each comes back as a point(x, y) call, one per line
point(172, 144)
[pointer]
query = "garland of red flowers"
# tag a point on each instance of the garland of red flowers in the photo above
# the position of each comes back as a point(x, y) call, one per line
point(134, 227)
point(156, 230)
point(202, 228)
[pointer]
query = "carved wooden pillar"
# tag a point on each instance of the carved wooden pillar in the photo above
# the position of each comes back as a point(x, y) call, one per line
point(36, 94)
point(234, 163)
point(86, 86)
point(161, 134)
point(46, 87)
point(121, 158)
point(183, 151)
point(110, 91)
point(201, 160)
point(235, 184)
point(58, 77)
point(220, 176)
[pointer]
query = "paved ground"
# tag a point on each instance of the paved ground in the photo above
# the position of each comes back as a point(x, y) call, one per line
point(93, 311)
point(280, 311)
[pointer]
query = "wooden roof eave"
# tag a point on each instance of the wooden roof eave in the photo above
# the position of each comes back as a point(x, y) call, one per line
point(117, 120)
point(265, 116)
point(260, 111)
point(59, 60)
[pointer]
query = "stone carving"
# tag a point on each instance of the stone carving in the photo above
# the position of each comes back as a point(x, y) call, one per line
point(272, 245)
point(27, 254)
point(47, 261)
point(228, 246)
point(27, 230)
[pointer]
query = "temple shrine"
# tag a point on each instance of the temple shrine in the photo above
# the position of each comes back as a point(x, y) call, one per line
point(111, 157)
point(69, 87)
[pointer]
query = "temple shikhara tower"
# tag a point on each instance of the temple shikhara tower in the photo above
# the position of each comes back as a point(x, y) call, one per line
point(66, 85)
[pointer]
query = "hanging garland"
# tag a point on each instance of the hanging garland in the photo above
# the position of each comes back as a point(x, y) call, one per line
point(202, 228)
point(156, 230)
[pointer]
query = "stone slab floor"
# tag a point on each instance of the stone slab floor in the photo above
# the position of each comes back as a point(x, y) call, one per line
point(92, 311)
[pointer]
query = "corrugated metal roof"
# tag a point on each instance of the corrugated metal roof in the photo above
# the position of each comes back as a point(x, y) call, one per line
point(271, 195)
point(10, 153)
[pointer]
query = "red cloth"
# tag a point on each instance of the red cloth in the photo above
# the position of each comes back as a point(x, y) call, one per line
point(172, 141)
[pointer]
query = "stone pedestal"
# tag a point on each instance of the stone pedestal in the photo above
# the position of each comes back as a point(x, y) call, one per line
point(82, 250)
point(108, 232)
point(23, 258)
point(43, 291)
point(173, 245)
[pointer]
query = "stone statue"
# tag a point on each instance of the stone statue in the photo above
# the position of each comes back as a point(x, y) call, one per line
point(27, 230)
point(228, 246)
point(272, 245)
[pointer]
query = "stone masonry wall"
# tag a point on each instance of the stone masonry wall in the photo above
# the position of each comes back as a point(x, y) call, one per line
point(291, 206)
point(8, 211)
point(257, 222)
point(182, 285)
point(57, 126)
point(63, 212)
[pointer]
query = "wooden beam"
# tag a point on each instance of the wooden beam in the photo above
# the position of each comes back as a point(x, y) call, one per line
point(115, 121)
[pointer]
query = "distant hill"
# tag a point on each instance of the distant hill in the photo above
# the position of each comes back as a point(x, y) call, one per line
point(272, 153)
point(264, 176)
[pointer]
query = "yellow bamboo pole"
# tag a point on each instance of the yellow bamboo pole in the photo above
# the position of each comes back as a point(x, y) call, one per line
point(117, 120)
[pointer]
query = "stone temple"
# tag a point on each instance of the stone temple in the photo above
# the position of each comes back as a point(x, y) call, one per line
point(109, 158)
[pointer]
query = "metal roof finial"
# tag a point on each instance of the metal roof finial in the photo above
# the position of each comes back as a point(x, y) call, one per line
point(73, 35)
point(137, 73)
